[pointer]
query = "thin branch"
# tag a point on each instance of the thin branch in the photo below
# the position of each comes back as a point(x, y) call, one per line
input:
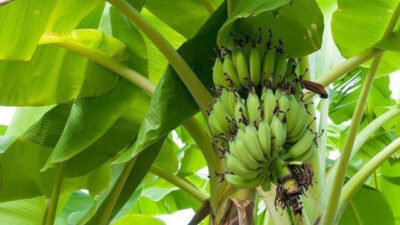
point(209, 6)
point(355, 183)
point(333, 200)
point(180, 183)
point(201, 95)
point(53, 203)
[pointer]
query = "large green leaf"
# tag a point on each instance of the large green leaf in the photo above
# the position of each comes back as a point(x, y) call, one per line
point(300, 17)
point(188, 16)
point(23, 212)
point(369, 206)
point(172, 103)
point(20, 35)
point(137, 219)
point(55, 75)
point(390, 188)
point(140, 168)
point(358, 25)
point(75, 207)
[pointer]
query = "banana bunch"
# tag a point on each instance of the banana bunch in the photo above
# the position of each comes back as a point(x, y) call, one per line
point(260, 123)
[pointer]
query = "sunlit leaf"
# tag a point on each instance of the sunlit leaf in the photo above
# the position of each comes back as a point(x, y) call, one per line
point(137, 219)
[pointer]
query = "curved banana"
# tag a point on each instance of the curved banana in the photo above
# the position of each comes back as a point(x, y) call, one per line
point(255, 66)
point(269, 64)
point(300, 126)
point(218, 74)
point(306, 155)
point(292, 115)
point(280, 67)
point(242, 69)
point(250, 139)
point(239, 168)
point(240, 151)
point(269, 104)
point(254, 108)
point(242, 183)
point(230, 72)
point(224, 119)
point(229, 100)
point(215, 127)
point(278, 134)
point(301, 146)
point(241, 114)
point(264, 136)
point(283, 105)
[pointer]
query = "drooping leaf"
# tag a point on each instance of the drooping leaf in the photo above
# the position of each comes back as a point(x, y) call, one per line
point(140, 168)
point(188, 16)
point(299, 17)
point(75, 207)
point(20, 35)
point(172, 103)
point(55, 75)
point(167, 159)
point(358, 25)
point(23, 212)
point(192, 161)
point(137, 219)
point(369, 207)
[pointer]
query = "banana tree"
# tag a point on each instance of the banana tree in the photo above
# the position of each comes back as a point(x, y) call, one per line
point(122, 106)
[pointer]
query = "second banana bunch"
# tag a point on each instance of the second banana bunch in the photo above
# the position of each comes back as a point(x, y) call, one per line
point(260, 123)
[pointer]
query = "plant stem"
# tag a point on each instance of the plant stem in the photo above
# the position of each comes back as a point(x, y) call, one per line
point(333, 200)
point(355, 183)
point(231, 4)
point(329, 217)
point(200, 94)
point(209, 6)
point(116, 191)
point(102, 59)
point(52, 205)
point(180, 183)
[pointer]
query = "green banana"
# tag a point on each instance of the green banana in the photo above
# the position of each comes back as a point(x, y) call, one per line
point(278, 134)
point(241, 114)
point(269, 64)
point(269, 103)
point(242, 183)
point(239, 168)
point(292, 115)
point(301, 124)
point(280, 67)
point(264, 136)
point(218, 74)
point(250, 139)
point(254, 108)
point(223, 117)
point(240, 151)
point(229, 100)
point(283, 105)
point(255, 66)
point(301, 146)
point(230, 71)
point(306, 155)
point(215, 127)
point(242, 69)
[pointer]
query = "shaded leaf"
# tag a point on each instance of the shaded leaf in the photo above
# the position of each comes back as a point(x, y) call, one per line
point(370, 207)
point(300, 17)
